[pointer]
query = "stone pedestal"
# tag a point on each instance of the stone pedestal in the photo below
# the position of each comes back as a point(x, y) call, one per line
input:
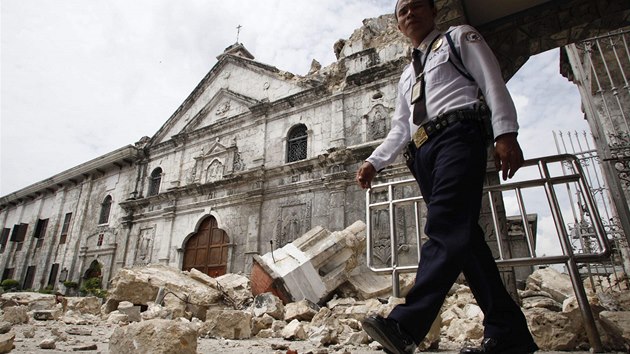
point(310, 267)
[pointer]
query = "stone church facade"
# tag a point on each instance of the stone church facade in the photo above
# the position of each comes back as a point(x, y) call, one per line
point(251, 160)
point(255, 156)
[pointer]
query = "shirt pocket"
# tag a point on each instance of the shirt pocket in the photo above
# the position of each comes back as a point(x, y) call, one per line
point(437, 69)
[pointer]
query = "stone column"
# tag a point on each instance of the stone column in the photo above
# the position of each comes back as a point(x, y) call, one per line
point(310, 267)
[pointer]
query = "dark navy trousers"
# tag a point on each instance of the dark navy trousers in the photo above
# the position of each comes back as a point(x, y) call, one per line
point(450, 169)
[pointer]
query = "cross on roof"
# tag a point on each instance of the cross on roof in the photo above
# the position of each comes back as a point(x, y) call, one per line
point(238, 32)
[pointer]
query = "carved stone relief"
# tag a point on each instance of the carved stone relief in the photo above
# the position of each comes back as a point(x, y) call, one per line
point(294, 220)
point(377, 122)
point(144, 246)
point(214, 171)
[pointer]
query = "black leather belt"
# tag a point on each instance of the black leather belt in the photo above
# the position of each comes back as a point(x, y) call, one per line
point(431, 128)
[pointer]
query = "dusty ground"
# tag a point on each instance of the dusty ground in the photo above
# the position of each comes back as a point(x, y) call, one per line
point(99, 335)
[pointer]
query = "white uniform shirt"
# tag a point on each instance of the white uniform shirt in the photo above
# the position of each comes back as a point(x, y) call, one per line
point(448, 90)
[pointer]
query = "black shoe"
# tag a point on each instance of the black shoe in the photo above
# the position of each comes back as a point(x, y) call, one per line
point(495, 346)
point(387, 332)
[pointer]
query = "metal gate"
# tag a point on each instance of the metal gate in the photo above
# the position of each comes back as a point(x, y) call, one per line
point(552, 178)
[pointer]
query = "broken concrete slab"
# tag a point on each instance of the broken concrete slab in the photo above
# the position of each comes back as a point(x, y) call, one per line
point(140, 285)
point(34, 301)
point(617, 324)
point(6, 342)
point(154, 337)
point(549, 280)
point(303, 310)
point(310, 267)
point(268, 303)
point(228, 324)
point(84, 305)
point(16, 314)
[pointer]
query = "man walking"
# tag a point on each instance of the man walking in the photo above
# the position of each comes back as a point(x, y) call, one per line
point(439, 117)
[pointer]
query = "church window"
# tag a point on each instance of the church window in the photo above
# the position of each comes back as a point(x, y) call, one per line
point(99, 241)
point(4, 238)
point(296, 143)
point(64, 228)
point(154, 181)
point(105, 208)
point(40, 232)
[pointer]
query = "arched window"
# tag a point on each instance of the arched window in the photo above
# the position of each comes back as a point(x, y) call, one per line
point(105, 208)
point(296, 143)
point(154, 181)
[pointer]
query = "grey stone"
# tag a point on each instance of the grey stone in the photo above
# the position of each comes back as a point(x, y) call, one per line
point(85, 348)
point(48, 343)
point(6, 342)
point(154, 337)
point(132, 311)
point(617, 324)
point(44, 315)
point(28, 332)
point(79, 331)
point(228, 324)
point(543, 302)
point(549, 280)
point(303, 310)
point(85, 305)
point(16, 315)
point(294, 331)
point(268, 303)
point(5, 327)
point(553, 330)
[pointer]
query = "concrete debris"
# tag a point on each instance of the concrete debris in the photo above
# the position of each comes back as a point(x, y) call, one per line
point(79, 331)
point(268, 303)
point(154, 311)
point(6, 342)
point(28, 332)
point(154, 337)
point(229, 324)
point(5, 327)
point(33, 301)
point(140, 285)
point(85, 348)
point(84, 305)
point(617, 325)
point(366, 284)
point(294, 331)
point(16, 314)
point(553, 330)
point(303, 310)
point(117, 318)
point(312, 266)
point(45, 315)
point(331, 326)
point(132, 311)
point(48, 343)
point(549, 280)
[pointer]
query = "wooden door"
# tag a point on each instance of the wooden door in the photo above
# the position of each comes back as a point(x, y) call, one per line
point(207, 249)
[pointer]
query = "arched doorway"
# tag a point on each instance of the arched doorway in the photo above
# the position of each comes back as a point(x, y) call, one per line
point(207, 249)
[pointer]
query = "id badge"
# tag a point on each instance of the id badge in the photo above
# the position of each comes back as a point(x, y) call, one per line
point(416, 90)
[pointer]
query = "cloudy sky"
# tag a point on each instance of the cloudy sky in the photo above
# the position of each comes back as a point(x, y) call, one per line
point(81, 78)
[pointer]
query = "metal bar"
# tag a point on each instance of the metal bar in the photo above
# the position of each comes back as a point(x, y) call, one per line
point(568, 257)
point(528, 233)
point(613, 87)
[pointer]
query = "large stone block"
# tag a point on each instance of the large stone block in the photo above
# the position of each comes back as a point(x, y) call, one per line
point(154, 337)
point(310, 267)
point(228, 324)
point(549, 280)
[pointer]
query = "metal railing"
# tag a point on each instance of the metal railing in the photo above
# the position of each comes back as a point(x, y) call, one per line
point(546, 180)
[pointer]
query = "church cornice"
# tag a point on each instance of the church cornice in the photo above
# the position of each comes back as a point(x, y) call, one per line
point(121, 158)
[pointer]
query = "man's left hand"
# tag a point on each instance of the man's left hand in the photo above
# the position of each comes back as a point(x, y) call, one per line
point(508, 156)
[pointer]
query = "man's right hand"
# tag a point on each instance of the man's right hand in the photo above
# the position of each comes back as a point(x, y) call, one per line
point(365, 175)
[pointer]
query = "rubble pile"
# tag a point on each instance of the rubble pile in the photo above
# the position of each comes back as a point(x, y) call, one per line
point(159, 309)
